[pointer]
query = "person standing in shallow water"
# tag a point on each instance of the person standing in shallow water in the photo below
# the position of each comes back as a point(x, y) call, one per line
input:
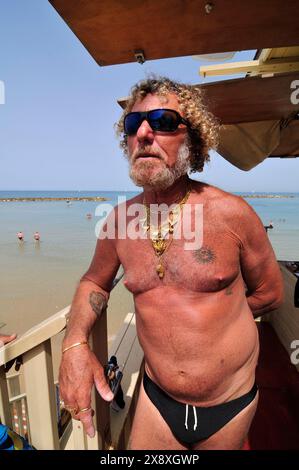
point(194, 315)
point(36, 236)
point(20, 236)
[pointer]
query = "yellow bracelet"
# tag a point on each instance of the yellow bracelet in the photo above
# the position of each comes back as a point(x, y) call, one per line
point(73, 346)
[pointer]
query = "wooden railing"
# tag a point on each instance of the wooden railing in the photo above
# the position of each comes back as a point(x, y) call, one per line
point(19, 413)
point(40, 397)
point(35, 349)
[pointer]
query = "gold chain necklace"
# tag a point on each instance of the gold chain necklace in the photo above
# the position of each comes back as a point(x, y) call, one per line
point(158, 235)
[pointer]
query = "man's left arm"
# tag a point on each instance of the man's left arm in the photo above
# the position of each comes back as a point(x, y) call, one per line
point(259, 266)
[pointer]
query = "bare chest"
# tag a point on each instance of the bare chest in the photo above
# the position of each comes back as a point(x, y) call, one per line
point(210, 268)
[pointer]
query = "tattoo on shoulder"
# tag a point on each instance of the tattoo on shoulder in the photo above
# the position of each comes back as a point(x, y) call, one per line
point(97, 302)
point(204, 255)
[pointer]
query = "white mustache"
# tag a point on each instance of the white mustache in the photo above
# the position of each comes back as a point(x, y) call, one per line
point(145, 153)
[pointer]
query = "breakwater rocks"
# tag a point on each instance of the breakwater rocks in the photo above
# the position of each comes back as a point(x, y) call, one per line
point(268, 196)
point(44, 199)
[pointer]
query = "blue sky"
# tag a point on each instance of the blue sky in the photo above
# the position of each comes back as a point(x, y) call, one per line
point(56, 126)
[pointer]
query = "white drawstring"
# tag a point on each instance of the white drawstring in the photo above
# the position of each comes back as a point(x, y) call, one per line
point(186, 417)
point(195, 417)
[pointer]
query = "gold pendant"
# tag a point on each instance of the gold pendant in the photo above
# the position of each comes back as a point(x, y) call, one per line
point(160, 270)
point(159, 245)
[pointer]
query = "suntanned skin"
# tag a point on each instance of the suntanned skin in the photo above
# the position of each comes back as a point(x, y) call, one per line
point(4, 339)
point(196, 325)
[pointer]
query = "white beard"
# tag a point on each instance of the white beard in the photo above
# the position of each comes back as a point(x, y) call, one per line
point(143, 174)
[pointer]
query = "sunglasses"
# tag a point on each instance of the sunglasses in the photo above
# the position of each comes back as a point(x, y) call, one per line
point(164, 120)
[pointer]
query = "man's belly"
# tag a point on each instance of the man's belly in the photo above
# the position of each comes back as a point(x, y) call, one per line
point(201, 349)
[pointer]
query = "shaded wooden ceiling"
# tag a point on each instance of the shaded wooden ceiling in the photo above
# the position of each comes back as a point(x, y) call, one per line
point(112, 30)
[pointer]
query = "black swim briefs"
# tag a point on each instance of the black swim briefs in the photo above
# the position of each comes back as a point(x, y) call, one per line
point(190, 424)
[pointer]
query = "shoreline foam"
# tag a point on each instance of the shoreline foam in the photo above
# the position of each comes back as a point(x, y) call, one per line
point(268, 196)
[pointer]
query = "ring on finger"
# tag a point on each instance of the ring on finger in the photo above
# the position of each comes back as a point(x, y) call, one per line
point(71, 409)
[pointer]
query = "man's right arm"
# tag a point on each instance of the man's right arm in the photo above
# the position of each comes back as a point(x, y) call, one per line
point(92, 294)
point(79, 368)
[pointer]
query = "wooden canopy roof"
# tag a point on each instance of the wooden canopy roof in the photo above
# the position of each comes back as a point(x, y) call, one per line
point(112, 30)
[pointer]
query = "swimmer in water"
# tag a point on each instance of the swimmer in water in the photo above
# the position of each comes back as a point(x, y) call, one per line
point(36, 236)
point(268, 226)
point(20, 236)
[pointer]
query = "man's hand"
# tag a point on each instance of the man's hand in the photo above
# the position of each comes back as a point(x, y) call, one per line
point(79, 370)
point(4, 339)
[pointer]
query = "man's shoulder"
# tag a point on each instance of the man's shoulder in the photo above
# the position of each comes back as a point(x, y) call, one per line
point(219, 196)
point(226, 204)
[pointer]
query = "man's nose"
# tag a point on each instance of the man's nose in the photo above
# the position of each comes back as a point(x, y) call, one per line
point(145, 132)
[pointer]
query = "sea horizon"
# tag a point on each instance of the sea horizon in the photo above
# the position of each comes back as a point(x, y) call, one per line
point(133, 191)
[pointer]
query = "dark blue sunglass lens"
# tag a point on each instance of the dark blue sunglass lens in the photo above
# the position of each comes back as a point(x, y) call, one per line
point(132, 123)
point(163, 120)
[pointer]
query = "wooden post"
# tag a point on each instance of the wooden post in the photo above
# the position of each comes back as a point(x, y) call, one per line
point(102, 416)
point(5, 414)
point(41, 401)
point(79, 436)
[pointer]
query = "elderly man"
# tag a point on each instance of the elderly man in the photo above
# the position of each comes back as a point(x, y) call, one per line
point(195, 308)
